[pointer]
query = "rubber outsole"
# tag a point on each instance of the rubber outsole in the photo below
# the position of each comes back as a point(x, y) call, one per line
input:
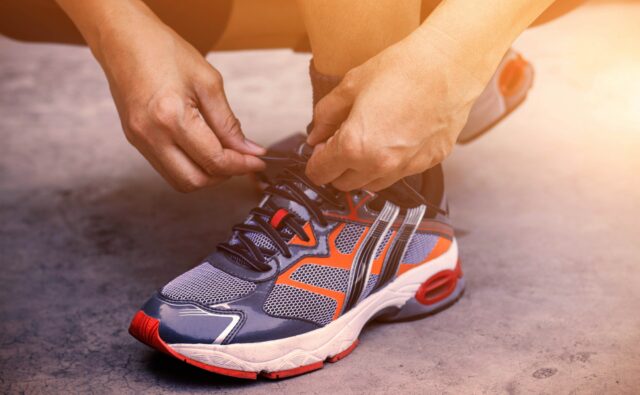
point(146, 330)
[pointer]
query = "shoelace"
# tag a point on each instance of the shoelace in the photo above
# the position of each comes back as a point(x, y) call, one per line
point(279, 220)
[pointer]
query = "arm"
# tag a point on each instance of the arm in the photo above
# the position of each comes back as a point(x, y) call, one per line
point(479, 33)
point(170, 100)
point(400, 112)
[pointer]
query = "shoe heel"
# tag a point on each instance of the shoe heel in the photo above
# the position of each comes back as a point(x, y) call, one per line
point(437, 293)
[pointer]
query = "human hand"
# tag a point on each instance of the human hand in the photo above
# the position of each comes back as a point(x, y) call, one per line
point(172, 105)
point(397, 114)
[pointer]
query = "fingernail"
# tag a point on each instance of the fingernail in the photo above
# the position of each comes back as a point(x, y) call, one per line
point(252, 145)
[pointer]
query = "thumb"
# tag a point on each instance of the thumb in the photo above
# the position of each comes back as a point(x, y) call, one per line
point(329, 113)
point(217, 113)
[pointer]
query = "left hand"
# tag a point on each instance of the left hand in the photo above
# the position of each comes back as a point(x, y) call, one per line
point(397, 114)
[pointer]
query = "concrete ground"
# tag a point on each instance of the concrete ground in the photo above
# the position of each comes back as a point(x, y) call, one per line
point(546, 208)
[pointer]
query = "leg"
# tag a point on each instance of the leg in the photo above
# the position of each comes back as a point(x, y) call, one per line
point(200, 22)
point(247, 24)
point(342, 34)
point(207, 25)
point(255, 24)
point(556, 10)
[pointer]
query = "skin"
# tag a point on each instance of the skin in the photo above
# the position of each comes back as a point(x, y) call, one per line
point(353, 144)
point(405, 96)
point(170, 100)
point(400, 111)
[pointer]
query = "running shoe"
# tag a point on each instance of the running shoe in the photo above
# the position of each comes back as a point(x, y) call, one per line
point(296, 282)
point(506, 90)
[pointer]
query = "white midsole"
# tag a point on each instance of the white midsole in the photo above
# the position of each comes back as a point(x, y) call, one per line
point(321, 343)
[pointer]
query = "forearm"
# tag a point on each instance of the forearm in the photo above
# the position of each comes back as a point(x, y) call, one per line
point(478, 33)
point(99, 19)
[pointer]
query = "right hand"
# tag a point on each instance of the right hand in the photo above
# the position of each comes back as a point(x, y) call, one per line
point(173, 107)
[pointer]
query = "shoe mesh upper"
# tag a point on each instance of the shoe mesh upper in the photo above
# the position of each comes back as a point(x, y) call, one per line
point(261, 241)
point(322, 276)
point(290, 302)
point(419, 248)
point(348, 238)
point(207, 285)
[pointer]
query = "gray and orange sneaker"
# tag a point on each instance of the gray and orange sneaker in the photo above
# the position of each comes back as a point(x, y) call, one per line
point(296, 282)
point(506, 90)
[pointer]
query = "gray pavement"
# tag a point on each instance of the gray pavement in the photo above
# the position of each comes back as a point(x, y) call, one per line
point(546, 207)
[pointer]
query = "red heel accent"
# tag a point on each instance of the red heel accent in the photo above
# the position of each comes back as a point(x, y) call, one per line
point(439, 286)
point(513, 75)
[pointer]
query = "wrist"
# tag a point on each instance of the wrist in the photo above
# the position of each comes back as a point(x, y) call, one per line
point(439, 53)
point(478, 34)
point(462, 55)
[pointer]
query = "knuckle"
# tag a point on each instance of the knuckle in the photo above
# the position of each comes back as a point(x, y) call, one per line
point(135, 127)
point(352, 147)
point(210, 84)
point(388, 161)
point(230, 126)
point(215, 163)
point(183, 188)
point(443, 150)
point(348, 82)
point(416, 166)
point(341, 186)
point(190, 184)
point(214, 79)
point(166, 109)
point(131, 138)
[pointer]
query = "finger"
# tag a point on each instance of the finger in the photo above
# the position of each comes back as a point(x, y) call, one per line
point(330, 112)
point(218, 115)
point(182, 173)
point(351, 180)
point(157, 166)
point(203, 147)
point(325, 165)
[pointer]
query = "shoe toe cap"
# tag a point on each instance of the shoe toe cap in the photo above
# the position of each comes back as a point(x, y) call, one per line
point(181, 322)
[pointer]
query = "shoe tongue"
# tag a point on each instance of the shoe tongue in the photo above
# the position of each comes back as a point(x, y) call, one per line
point(415, 182)
point(404, 193)
point(303, 151)
point(293, 207)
